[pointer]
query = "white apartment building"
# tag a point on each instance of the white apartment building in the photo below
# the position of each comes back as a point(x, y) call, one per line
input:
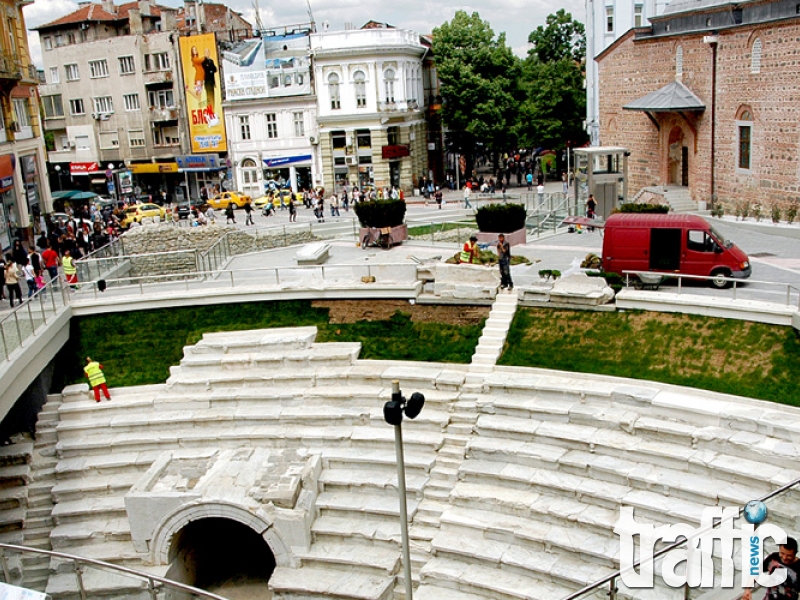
point(607, 20)
point(271, 112)
point(371, 103)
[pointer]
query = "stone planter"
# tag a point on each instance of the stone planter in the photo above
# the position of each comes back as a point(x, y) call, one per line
point(514, 238)
point(399, 233)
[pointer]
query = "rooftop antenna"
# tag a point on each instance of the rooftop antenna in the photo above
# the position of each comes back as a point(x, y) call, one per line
point(259, 24)
point(311, 17)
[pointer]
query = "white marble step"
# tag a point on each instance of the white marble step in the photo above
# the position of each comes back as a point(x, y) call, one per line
point(105, 465)
point(432, 418)
point(231, 342)
point(364, 556)
point(309, 583)
point(98, 584)
point(333, 529)
point(333, 458)
point(325, 355)
point(434, 592)
point(185, 382)
point(557, 567)
point(109, 507)
point(355, 505)
point(374, 479)
point(119, 552)
point(90, 532)
point(488, 581)
point(382, 436)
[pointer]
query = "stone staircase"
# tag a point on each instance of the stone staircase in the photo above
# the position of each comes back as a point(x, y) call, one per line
point(39, 520)
point(678, 197)
point(15, 475)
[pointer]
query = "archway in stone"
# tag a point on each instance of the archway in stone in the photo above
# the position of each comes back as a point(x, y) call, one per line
point(222, 556)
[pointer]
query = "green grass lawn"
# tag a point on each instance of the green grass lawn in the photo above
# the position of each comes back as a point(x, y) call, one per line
point(419, 230)
point(138, 348)
point(733, 357)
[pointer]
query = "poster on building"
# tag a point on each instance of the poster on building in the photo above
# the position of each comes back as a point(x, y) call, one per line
point(125, 182)
point(267, 67)
point(203, 95)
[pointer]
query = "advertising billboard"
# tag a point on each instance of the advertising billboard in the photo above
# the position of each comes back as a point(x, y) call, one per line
point(203, 94)
point(267, 67)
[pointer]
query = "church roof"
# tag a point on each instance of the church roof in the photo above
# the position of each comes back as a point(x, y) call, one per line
point(671, 98)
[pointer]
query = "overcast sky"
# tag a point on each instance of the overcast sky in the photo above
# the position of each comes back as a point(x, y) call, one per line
point(517, 18)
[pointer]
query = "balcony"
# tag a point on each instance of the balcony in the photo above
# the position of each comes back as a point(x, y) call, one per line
point(157, 77)
point(163, 114)
point(10, 70)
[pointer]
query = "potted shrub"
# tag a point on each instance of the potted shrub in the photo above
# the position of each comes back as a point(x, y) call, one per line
point(508, 219)
point(383, 215)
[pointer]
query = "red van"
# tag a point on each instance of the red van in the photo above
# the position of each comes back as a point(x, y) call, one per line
point(685, 244)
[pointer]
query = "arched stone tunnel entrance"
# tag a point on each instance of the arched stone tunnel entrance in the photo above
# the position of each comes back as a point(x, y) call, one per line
point(221, 555)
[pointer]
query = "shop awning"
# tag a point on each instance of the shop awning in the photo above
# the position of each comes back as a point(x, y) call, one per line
point(673, 97)
point(283, 161)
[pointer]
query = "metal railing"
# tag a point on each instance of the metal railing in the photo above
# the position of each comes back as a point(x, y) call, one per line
point(260, 276)
point(610, 581)
point(28, 318)
point(153, 584)
point(640, 279)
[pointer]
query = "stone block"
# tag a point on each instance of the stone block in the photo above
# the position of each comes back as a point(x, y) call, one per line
point(315, 253)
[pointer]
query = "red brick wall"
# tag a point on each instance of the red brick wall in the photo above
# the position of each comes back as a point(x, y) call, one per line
point(633, 69)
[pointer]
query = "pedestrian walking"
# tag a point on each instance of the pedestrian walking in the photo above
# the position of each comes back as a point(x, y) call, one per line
point(30, 278)
point(97, 381)
point(70, 271)
point(334, 206)
point(13, 275)
point(529, 180)
point(292, 211)
point(248, 209)
point(540, 194)
point(438, 195)
point(229, 216)
point(467, 194)
point(504, 262)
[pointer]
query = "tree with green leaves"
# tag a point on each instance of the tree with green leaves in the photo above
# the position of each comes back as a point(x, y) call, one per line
point(478, 76)
point(554, 104)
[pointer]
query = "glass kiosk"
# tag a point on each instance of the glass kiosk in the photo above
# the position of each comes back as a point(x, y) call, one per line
point(602, 171)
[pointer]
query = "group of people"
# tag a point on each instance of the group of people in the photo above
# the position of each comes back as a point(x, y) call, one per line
point(30, 265)
point(470, 254)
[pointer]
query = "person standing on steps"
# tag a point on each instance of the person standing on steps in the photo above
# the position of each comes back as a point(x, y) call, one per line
point(97, 381)
point(504, 262)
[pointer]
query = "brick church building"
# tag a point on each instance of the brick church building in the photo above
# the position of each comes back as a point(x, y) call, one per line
point(708, 97)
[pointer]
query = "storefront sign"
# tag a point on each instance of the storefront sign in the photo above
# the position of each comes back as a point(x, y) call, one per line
point(199, 162)
point(285, 160)
point(154, 168)
point(7, 164)
point(203, 94)
point(84, 168)
point(395, 151)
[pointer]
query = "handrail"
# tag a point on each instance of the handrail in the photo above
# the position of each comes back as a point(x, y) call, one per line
point(608, 578)
point(47, 302)
point(681, 276)
point(79, 560)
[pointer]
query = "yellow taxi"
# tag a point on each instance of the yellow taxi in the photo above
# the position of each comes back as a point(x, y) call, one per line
point(141, 211)
point(277, 199)
point(221, 201)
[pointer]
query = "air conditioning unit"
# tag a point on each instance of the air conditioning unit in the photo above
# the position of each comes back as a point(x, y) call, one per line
point(314, 141)
point(351, 160)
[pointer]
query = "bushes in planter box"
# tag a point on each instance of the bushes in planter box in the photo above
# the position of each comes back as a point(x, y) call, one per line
point(501, 218)
point(381, 213)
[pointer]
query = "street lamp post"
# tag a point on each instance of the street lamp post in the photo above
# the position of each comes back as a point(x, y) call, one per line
point(393, 414)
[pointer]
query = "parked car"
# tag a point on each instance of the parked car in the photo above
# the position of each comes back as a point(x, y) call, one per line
point(685, 244)
point(142, 211)
point(221, 201)
point(183, 210)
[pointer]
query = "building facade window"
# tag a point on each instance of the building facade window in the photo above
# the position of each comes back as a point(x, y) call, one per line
point(298, 118)
point(679, 62)
point(360, 83)
point(131, 102)
point(638, 15)
point(609, 19)
point(54, 76)
point(21, 113)
point(392, 136)
point(48, 43)
point(271, 120)
point(103, 105)
point(244, 127)
point(76, 107)
point(53, 106)
point(72, 72)
point(333, 90)
point(98, 68)
point(82, 142)
point(744, 128)
point(388, 84)
point(156, 62)
point(755, 57)
point(161, 99)
point(136, 138)
point(126, 65)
